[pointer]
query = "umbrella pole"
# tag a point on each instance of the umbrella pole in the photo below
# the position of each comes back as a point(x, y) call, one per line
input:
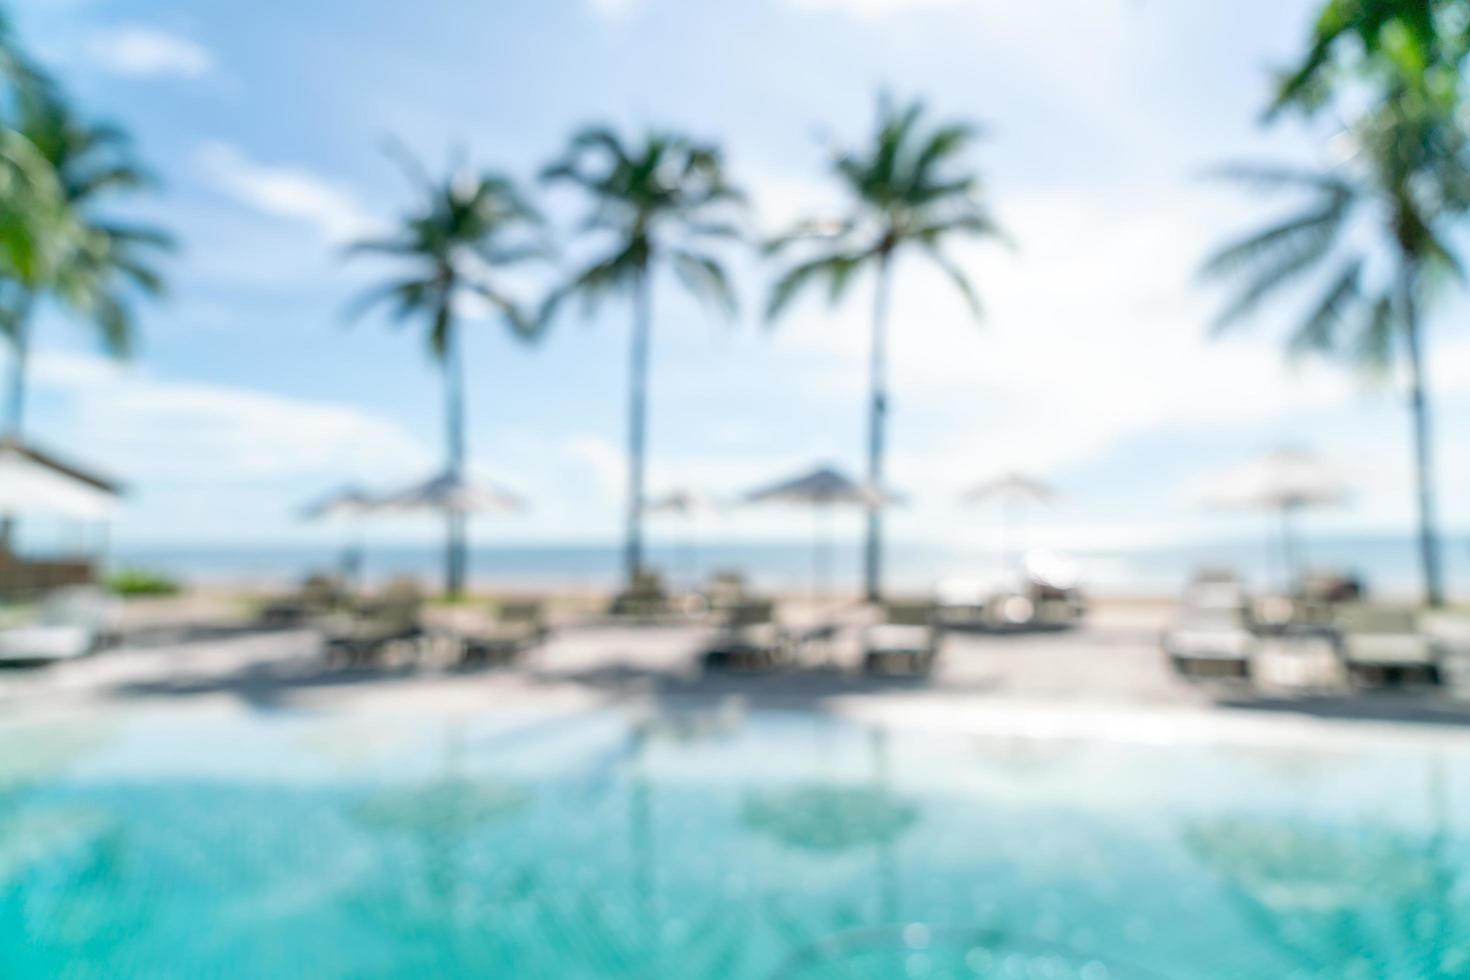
point(693, 556)
point(821, 562)
point(1288, 550)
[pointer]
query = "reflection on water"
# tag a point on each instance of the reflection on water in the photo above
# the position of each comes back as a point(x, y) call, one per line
point(1365, 900)
point(731, 846)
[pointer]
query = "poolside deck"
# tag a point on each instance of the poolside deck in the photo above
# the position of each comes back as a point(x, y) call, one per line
point(1106, 678)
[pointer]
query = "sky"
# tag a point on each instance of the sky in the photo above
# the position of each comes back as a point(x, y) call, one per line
point(1093, 367)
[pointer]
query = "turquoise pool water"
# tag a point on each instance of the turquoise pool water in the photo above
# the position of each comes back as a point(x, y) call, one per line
point(693, 845)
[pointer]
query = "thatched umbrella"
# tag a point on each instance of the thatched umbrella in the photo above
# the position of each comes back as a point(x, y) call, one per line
point(822, 489)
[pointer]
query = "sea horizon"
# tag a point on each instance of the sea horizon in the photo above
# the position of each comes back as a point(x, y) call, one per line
point(1386, 562)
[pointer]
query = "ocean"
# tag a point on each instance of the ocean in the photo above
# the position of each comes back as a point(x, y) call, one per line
point(1387, 563)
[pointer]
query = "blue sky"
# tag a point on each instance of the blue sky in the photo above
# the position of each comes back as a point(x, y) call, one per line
point(267, 120)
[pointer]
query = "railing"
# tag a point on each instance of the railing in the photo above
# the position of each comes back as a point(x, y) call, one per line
point(21, 578)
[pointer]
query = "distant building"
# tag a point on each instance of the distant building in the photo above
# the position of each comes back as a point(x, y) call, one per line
point(36, 483)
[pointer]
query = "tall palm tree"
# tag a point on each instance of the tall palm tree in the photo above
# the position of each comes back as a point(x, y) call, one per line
point(1374, 230)
point(464, 228)
point(909, 193)
point(92, 264)
point(656, 201)
point(1393, 44)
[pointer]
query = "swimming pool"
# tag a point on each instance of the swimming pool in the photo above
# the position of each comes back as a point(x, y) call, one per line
point(690, 844)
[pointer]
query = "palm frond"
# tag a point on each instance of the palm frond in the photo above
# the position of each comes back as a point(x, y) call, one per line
point(596, 282)
point(943, 144)
point(1270, 279)
point(1320, 332)
point(706, 279)
point(409, 296)
point(959, 279)
point(1274, 176)
point(837, 268)
point(520, 324)
point(1315, 229)
point(809, 230)
point(1377, 340)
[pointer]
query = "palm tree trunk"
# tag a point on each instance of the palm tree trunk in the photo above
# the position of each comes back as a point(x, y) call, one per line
point(15, 409)
point(637, 424)
point(1423, 449)
point(20, 356)
point(877, 417)
point(454, 542)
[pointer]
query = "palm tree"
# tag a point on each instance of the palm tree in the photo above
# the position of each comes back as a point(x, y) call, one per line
point(1396, 45)
point(92, 264)
point(1378, 223)
point(656, 201)
point(464, 228)
point(909, 193)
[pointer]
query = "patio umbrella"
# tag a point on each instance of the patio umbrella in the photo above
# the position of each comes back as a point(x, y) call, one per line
point(1283, 481)
point(688, 504)
point(1012, 491)
point(821, 489)
point(350, 503)
point(453, 495)
point(452, 492)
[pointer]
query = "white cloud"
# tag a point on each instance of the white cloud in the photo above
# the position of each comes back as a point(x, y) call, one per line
point(875, 6)
point(146, 428)
point(605, 463)
point(284, 192)
point(615, 9)
point(145, 52)
point(1079, 352)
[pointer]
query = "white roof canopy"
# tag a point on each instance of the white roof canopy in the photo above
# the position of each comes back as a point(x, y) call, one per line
point(32, 482)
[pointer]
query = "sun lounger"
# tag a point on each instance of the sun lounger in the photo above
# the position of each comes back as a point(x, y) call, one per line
point(69, 622)
point(726, 590)
point(377, 624)
point(1382, 644)
point(319, 595)
point(646, 598)
point(1212, 634)
point(907, 641)
point(750, 639)
point(1205, 642)
point(519, 626)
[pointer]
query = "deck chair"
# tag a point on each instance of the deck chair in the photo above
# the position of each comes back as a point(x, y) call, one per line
point(1212, 633)
point(317, 596)
point(1384, 644)
point(393, 617)
point(644, 599)
point(906, 642)
point(69, 622)
point(519, 625)
point(750, 638)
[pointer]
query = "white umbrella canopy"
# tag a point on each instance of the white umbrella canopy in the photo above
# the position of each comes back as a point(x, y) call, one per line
point(1285, 481)
point(688, 504)
point(1010, 488)
point(351, 501)
point(684, 502)
point(1011, 491)
point(1286, 477)
point(451, 492)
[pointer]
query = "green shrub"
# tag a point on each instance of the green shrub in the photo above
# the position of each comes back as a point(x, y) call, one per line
point(141, 582)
